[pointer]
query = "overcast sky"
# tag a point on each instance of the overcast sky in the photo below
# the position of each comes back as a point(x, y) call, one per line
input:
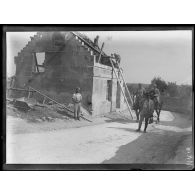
point(144, 54)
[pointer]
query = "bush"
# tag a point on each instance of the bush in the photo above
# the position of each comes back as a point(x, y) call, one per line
point(161, 84)
point(172, 89)
point(185, 91)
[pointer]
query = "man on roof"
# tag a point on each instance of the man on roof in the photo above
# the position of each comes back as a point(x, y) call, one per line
point(117, 58)
point(96, 41)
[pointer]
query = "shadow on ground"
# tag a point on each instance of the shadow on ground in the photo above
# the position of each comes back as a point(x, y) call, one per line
point(124, 129)
point(150, 148)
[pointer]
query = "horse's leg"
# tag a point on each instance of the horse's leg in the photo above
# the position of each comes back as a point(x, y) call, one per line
point(146, 124)
point(157, 115)
point(136, 112)
point(140, 123)
point(137, 115)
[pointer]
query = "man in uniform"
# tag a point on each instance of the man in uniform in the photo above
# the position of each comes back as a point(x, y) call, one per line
point(138, 99)
point(155, 92)
point(141, 90)
point(77, 98)
point(146, 112)
point(96, 41)
point(118, 58)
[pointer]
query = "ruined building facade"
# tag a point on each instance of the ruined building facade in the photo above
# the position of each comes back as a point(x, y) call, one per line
point(55, 63)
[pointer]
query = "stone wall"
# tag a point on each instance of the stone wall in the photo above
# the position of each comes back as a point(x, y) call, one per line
point(66, 67)
point(68, 64)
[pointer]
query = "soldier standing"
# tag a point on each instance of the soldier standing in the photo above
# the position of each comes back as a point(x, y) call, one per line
point(77, 98)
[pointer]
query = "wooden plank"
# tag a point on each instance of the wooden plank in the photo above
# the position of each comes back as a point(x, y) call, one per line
point(100, 52)
point(19, 89)
point(36, 63)
point(58, 103)
point(86, 42)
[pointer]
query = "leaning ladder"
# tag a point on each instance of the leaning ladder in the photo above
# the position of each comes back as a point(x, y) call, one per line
point(129, 108)
point(121, 73)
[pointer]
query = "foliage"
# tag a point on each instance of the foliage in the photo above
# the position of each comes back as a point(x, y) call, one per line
point(161, 84)
point(172, 89)
point(166, 88)
point(134, 86)
point(185, 91)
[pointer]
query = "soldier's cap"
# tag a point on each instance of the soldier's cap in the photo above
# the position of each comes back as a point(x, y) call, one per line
point(78, 89)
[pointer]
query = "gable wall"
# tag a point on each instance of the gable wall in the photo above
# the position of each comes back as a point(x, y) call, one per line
point(65, 68)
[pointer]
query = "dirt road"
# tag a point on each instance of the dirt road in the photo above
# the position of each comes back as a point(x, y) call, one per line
point(111, 142)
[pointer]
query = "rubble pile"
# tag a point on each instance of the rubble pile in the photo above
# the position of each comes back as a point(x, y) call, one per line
point(34, 111)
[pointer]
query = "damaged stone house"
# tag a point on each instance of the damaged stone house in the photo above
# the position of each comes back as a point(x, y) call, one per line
point(55, 63)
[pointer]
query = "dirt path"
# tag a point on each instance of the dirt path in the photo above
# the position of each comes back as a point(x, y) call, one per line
point(112, 142)
point(170, 142)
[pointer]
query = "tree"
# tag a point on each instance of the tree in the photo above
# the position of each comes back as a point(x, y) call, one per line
point(161, 84)
point(185, 91)
point(172, 89)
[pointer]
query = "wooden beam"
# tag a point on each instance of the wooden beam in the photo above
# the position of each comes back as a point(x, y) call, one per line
point(36, 63)
point(100, 52)
point(58, 103)
point(20, 89)
point(88, 44)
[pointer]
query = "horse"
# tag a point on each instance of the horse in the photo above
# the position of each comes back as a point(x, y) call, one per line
point(157, 106)
point(137, 103)
point(146, 110)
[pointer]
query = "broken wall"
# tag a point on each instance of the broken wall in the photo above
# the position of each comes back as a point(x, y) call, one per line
point(66, 67)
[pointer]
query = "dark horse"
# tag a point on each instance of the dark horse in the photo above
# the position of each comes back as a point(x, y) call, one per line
point(138, 105)
point(146, 110)
point(157, 106)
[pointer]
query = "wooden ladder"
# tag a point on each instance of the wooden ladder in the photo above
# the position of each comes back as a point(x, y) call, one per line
point(128, 106)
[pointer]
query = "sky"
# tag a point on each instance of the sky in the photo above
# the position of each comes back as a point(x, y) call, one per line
point(144, 54)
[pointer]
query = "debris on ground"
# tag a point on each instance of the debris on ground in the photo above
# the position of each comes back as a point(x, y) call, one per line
point(20, 105)
point(33, 111)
